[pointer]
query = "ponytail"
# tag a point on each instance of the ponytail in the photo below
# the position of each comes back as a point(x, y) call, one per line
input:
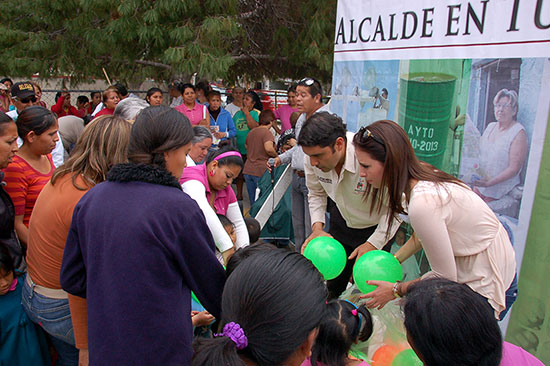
point(266, 314)
point(343, 324)
point(215, 351)
point(366, 324)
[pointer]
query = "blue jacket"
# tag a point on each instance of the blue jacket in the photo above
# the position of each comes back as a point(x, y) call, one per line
point(136, 248)
point(225, 122)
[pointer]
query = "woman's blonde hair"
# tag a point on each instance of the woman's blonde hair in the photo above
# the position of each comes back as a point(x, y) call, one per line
point(103, 143)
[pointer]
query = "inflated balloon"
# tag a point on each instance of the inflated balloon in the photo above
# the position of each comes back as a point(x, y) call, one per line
point(195, 297)
point(327, 255)
point(376, 265)
point(384, 355)
point(406, 358)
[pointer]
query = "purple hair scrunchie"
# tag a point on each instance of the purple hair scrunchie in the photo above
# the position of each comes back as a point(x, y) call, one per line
point(235, 333)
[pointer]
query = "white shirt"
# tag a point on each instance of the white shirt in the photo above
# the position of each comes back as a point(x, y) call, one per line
point(190, 162)
point(232, 108)
point(347, 190)
point(196, 190)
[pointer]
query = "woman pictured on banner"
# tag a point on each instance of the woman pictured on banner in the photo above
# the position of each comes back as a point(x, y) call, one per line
point(209, 185)
point(196, 113)
point(503, 150)
point(138, 246)
point(461, 236)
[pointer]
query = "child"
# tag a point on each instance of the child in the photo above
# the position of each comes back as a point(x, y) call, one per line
point(230, 229)
point(254, 230)
point(22, 342)
point(343, 325)
point(221, 122)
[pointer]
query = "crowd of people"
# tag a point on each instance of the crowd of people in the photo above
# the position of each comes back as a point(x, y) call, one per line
point(129, 245)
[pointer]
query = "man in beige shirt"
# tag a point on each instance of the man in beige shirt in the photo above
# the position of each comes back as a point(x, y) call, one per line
point(332, 170)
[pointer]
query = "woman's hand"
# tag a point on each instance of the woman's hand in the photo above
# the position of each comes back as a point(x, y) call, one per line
point(380, 296)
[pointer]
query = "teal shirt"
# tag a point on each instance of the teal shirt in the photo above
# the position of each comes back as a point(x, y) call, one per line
point(242, 127)
point(21, 341)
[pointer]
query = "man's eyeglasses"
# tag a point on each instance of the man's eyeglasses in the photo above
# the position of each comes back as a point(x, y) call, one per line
point(27, 100)
point(365, 134)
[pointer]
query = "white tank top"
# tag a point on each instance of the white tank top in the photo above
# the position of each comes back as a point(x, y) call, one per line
point(495, 157)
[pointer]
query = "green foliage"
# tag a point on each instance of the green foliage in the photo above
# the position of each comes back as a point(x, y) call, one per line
point(137, 39)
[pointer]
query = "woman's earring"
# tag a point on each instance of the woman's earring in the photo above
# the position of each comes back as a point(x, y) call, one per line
point(211, 173)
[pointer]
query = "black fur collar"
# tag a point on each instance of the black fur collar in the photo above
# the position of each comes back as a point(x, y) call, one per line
point(131, 172)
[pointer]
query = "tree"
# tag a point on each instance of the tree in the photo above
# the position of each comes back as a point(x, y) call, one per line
point(136, 39)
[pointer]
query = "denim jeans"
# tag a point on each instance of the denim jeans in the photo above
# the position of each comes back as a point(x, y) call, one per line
point(511, 296)
point(251, 185)
point(54, 316)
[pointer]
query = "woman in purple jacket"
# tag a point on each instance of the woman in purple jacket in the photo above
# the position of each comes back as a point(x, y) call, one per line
point(138, 246)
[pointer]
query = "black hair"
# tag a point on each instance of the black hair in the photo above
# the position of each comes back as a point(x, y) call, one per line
point(82, 99)
point(212, 93)
point(6, 261)
point(450, 324)
point(158, 130)
point(291, 89)
point(152, 91)
point(122, 90)
point(57, 96)
point(243, 253)
point(225, 221)
point(204, 86)
point(276, 312)
point(314, 88)
point(266, 117)
point(254, 229)
point(256, 98)
point(339, 329)
point(94, 93)
point(228, 160)
point(5, 120)
point(3, 80)
point(36, 119)
point(321, 129)
point(182, 86)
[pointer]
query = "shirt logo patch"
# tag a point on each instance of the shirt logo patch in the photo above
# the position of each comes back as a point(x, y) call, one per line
point(361, 186)
point(325, 180)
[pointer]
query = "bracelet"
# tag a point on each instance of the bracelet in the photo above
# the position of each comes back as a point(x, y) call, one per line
point(395, 289)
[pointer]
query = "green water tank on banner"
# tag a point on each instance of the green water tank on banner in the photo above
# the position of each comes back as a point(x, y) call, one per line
point(425, 110)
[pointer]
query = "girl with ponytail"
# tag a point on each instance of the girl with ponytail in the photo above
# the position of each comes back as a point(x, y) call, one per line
point(343, 325)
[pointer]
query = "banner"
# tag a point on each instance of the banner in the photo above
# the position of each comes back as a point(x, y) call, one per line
point(452, 74)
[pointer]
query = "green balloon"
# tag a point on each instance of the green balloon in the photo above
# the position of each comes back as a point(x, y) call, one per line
point(406, 358)
point(376, 265)
point(328, 255)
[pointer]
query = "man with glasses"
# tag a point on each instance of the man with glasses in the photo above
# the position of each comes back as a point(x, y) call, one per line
point(332, 171)
point(308, 102)
point(23, 96)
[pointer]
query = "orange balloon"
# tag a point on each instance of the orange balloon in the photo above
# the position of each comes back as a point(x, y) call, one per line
point(384, 355)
